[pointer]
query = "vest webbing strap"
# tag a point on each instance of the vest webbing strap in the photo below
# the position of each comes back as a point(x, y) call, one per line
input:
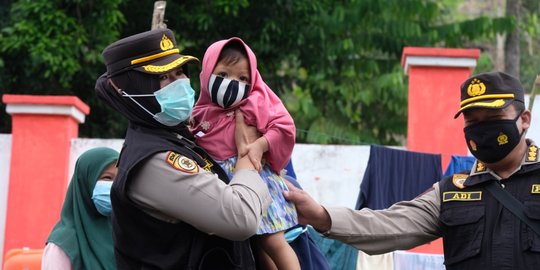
point(512, 204)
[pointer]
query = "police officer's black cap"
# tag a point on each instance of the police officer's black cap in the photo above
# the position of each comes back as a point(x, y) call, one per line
point(153, 52)
point(492, 90)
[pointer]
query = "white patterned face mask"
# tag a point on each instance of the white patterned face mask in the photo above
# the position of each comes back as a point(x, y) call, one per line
point(227, 93)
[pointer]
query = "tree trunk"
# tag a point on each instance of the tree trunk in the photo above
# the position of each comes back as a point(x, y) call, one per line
point(512, 39)
point(500, 38)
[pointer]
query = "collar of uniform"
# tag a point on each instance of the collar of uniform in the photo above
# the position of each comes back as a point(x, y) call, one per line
point(480, 173)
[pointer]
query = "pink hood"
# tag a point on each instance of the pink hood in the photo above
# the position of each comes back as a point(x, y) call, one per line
point(262, 109)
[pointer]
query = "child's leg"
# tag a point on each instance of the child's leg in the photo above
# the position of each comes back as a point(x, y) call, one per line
point(279, 251)
point(264, 261)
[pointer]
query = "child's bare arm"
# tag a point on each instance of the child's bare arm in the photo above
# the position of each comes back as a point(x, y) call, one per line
point(256, 150)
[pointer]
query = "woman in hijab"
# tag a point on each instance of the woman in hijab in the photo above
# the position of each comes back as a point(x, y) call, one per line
point(82, 239)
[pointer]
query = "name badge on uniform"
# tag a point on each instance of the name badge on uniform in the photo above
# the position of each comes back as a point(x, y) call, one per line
point(535, 189)
point(462, 196)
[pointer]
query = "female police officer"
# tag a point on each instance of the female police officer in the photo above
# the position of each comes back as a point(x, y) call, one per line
point(173, 207)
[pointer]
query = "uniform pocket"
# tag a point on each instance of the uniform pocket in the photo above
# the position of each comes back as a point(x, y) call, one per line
point(532, 239)
point(464, 229)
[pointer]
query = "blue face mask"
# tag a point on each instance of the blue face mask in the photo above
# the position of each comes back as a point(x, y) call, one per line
point(176, 101)
point(292, 234)
point(102, 197)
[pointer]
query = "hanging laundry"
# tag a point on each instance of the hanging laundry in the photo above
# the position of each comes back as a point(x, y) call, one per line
point(459, 164)
point(394, 175)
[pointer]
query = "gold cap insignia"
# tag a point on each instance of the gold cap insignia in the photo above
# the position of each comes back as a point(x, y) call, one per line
point(166, 43)
point(502, 139)
point(182, 163)
point(476, 88)
point(459, 179)
point(535, 189)
point(533, 153)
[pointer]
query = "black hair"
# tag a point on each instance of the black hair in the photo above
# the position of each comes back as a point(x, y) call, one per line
point(518, 106)
point(232, 52)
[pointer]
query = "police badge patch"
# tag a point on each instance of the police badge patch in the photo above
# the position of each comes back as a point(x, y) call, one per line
point(182, 163)
point(459, 179)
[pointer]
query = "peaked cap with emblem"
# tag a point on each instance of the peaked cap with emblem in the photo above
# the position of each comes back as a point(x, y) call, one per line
point(492, 90)
point(153, 52)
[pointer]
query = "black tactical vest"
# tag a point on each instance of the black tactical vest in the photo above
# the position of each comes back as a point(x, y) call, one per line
point(144, 242)
point(478, 232)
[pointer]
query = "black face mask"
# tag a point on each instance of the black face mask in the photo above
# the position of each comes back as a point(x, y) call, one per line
point(491, 141)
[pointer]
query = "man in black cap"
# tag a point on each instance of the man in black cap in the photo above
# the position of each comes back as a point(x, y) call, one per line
point(173, 206)
point(488, 217)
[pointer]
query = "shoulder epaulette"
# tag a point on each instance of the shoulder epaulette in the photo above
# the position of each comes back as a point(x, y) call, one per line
point(532, 154)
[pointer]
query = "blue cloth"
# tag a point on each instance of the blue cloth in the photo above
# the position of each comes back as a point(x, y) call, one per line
point(307, 251)
point(340, 256)
point(459, 164)
point(290, 171)
point(394, 175)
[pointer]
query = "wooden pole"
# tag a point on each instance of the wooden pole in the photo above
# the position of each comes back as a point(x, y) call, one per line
point(159, 15)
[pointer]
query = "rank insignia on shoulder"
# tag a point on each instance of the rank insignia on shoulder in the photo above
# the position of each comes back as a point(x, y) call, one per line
point(182, 163)
point(462, 196)
point(459, 179)
point(480, 167)
point(532, 154)
point(208, 166)
point(535, 189)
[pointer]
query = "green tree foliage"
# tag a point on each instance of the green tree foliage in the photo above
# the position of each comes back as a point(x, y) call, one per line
point(335, 64)
point(54, 48)
point(530, 52)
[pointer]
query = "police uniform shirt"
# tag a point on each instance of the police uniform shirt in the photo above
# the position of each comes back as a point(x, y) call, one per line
point(187, 192)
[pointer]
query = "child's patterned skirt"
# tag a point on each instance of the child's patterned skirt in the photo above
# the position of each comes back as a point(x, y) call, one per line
point(281, 213)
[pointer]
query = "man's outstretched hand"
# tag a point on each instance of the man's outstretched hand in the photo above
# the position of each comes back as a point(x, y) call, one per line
point(309, 211)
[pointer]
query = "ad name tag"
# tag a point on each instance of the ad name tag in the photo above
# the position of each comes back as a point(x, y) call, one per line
point(462, 196)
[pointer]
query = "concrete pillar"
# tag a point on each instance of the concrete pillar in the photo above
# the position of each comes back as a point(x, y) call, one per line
point(42, 129)
point(435, 76)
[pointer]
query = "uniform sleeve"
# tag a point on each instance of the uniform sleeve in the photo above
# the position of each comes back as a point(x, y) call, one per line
point(402, 226)
point(195, 196)
point(54, 258)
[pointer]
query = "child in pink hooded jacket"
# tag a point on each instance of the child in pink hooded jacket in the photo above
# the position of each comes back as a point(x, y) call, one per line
point(231, 82)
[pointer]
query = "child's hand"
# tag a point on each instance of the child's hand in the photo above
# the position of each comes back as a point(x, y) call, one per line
point(255, 152)
point(244, 134)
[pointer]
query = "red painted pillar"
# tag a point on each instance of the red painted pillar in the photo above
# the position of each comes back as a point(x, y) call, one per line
point(42, 129)
point(435, 76)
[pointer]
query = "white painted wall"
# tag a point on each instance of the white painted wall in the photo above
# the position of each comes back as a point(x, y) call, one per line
point(5, 157)
point(331, 173)
point(534, 130)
